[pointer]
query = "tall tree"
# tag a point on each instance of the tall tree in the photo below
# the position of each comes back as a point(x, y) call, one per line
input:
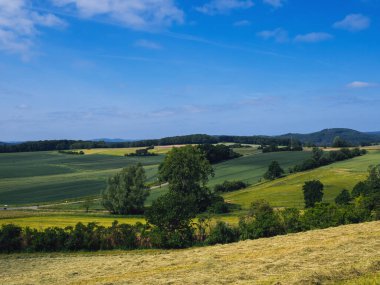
point(312, 192)
point(186, 169)
point(126, 191)
point(274, 171)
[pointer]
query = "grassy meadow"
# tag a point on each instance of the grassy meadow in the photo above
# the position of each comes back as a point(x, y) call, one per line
point(286, 192)
point(342, 255)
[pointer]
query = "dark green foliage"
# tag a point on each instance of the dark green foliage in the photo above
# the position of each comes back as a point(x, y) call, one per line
point(317, 153)
point(218, 153)
point(261, 221)
point(142, 152)
point(126, 191)
point(320, 158)
point(343, 198)
point(229, 186)
point(291, 219)
point(312, 192)
point(222, 233)
point(185, 169)
point(172, 211)
point(218, 205)
point(321, 216)
point(339, 142)
point(10, 238)
point(326, 137)
point(293, 146)
point(274, 171)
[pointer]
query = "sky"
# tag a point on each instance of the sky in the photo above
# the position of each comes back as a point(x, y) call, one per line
point(136, 69)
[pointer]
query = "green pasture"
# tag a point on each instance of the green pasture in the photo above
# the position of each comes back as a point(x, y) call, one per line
point(287, 191)
point(38, 177)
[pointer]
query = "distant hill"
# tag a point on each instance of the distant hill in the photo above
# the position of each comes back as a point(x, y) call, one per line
point(326, 136)
point(107, 140)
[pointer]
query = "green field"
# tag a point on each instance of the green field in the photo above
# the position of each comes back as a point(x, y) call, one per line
point(42, 177)
point(38, 177)
point(287, 191)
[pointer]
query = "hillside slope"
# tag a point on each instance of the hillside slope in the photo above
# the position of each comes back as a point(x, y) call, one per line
point(326, 136)
point(287, 191)
point(314, 257)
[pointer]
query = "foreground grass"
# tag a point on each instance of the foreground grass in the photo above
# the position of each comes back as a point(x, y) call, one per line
point(343, 254)
point(287, 191)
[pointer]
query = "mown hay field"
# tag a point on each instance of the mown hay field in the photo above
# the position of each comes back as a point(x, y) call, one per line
point(347, 254)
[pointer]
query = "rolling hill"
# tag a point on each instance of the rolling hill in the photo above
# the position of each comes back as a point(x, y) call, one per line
point(326, 137)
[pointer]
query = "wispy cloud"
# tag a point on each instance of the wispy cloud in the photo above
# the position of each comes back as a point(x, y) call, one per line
point(360, 84)
point(148, 44)
point(224, 6)
point(275, 3)
point(353, 23)
point(134, 14)
point(313, 37)
point(19, 26)
point(279, 35)
point(242, 23)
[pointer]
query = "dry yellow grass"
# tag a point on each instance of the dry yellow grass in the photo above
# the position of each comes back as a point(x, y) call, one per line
point(327, 256)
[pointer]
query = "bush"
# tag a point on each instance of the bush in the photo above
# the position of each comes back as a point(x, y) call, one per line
point(343, 198)
point(321, 216)
point(222, 233)
point(262, 221)
point(229, 186)
point(178, 238)
point(291, 220)
point(10, 238)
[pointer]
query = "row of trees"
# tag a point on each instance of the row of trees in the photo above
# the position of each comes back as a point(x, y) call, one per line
point(321, 158)
point(188, 139)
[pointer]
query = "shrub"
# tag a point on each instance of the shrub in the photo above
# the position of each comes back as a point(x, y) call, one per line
point(10, 238)
point(321, 216)
point(177, 238)
point(222, 233)
point(343, 198)
point(261, 221)
point(291, 219)
point(229, 186)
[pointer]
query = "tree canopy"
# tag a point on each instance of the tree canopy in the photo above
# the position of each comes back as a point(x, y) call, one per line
point(126, 191)
point(312, 192)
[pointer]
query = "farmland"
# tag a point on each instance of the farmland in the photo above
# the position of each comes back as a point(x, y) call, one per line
point(342, 255)
point(286, 192)
point(40, 177)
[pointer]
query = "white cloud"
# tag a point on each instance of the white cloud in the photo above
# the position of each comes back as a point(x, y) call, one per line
point(224, 6)
point(242, 23)
point(353, 23)
point(360, 84)
point(275, 3)
point(279, 35)
point(313, 37)
point(147, 44)
point(135, 14)
point(19, 26)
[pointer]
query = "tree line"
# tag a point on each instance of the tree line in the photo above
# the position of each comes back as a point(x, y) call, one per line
point(49, 145)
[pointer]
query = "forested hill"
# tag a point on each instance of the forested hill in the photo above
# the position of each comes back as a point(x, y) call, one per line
point(326, 137)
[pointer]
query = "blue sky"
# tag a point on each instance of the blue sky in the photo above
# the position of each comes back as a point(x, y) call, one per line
point(133, 69)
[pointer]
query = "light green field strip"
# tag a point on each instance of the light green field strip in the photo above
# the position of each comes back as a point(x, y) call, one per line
point(287, 191)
